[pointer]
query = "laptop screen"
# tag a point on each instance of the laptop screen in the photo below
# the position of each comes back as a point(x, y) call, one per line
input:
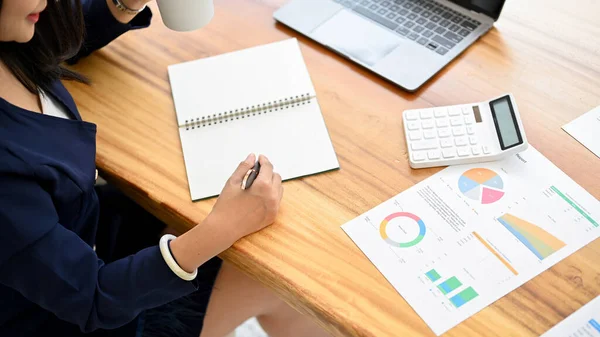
point(490, 8)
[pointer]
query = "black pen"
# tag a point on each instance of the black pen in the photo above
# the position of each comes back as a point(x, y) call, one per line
point(250, 176)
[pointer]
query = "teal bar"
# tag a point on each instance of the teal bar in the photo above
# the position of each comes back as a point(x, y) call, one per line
point(565, 198)
point(449, 285)
point(433, 275)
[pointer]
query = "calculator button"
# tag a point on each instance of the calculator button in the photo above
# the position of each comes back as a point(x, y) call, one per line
point(460, 141)
point(413, 125)
point(414, 135)
point(449, 153)
point(467, 110)
point(428, 124)
point(454, 112)
point(458, 131)
point(426, 114)
point(418, 156)
point(440, 112)
point(485, 149)
point(473, 140)
point(475, 150)
point(433, 154)
point(445, 143)
point(424, 145)
point(441, 123)
point(469, 120)
point(471, 129)
point(463, 152)
point(411, 115)
point(456, 121)
point(429, 134)
point(443, 133)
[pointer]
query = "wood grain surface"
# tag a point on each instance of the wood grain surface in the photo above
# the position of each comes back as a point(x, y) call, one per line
point(546, 52)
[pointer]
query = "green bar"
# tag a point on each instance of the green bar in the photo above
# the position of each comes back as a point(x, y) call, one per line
point(468, 294)
point(449, 285)
point(574, 205)
point(433, 275)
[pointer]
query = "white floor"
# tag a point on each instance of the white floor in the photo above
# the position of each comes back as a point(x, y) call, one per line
point(250, 328)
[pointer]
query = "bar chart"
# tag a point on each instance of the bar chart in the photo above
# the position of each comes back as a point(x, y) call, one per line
point(449, 288)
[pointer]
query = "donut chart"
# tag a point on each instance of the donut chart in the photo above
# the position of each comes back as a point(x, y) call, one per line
point(417, 221)
point(482, 185)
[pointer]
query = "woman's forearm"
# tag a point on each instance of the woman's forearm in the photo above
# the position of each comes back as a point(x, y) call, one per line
point(202, 243)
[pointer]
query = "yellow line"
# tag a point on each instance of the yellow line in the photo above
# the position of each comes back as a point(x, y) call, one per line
point(487, 245)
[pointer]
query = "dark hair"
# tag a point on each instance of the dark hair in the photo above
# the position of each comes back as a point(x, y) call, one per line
point(58, 37)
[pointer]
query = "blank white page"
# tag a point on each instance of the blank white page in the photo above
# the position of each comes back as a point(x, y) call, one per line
point(239, 79)
point(295, 139)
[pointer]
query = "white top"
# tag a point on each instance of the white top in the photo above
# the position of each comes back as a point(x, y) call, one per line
point(52, 107)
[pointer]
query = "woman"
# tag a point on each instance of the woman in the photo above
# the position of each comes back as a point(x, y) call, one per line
point(53, 280)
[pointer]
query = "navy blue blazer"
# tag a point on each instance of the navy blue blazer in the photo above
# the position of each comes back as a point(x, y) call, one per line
point(49, 217)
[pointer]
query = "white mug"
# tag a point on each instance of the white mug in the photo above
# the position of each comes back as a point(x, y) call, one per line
point(186, 15)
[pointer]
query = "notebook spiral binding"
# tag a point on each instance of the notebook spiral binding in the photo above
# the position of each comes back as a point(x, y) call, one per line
point(247, 112)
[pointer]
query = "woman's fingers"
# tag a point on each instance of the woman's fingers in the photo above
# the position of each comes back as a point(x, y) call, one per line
point(242, 169)
point(266, 170)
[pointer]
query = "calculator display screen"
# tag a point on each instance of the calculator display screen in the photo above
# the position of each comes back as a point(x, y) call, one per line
point(506, 123)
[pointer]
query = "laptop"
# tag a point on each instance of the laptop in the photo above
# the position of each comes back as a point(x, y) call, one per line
point(404, 41)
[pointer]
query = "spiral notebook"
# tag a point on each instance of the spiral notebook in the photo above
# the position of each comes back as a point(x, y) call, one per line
point(259, 100)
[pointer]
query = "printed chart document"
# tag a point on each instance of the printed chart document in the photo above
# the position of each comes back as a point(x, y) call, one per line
point(584, 322)
point(461, 239)
point(586, 130)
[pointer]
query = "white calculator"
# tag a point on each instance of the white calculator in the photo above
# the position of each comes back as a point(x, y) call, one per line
point(463, 134)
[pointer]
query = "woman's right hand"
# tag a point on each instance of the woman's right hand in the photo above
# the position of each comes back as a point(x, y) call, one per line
point(244, 212)
point(236, 214)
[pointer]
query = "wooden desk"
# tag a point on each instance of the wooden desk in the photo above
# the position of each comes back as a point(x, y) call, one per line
point(546, 52)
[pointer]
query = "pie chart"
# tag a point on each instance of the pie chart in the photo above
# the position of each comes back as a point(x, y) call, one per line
point(482, 185)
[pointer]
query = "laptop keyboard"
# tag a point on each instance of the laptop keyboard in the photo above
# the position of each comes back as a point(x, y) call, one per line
point(428, 23)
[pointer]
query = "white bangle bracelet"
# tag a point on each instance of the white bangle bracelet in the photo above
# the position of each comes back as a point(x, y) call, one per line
point(170, 260)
